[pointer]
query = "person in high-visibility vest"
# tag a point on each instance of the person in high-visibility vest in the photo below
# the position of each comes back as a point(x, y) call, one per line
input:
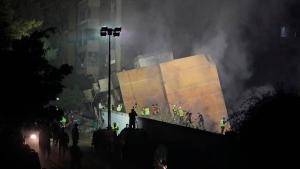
point(143, 112)
point(119, 108)
point(63, 121)
point(180, 111)
point(222, 124)
point(147, 111)
point(115, 128)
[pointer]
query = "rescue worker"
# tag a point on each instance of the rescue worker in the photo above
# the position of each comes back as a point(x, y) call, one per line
point(63, 121)
point(115, 128)
point(175, 112)
point(154, 109)
point(189, 119)
point(119, 108)
point(134, 106)
point(157, 108)
point(201, 121)
point(143, 112)
point(180, 111)
point(222, 124)
point(112, 107)
point(147, 111)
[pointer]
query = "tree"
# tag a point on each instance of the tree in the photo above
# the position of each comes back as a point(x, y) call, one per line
point(267, 128)
point(30, 81)
point(21, 21)
point(71, 99)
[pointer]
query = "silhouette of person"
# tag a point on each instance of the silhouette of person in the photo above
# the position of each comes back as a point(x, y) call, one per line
point(63, 143)
point(55, 132)
point(75, 133)
point(76, 156)
point(132, 116)
point(189, 119)
point(201, 121)
point(97, 139)
point(44, 142)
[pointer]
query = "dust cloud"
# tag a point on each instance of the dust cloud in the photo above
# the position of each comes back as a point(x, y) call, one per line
point(218, 28)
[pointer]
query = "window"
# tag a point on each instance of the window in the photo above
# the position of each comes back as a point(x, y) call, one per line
point(283, 32)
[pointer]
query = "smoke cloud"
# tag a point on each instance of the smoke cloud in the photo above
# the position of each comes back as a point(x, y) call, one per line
point(218, 28)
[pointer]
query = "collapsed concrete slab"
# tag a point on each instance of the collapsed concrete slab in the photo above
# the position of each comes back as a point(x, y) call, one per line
point(191, 83)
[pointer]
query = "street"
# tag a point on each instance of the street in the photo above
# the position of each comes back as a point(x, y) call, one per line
point(90, 158)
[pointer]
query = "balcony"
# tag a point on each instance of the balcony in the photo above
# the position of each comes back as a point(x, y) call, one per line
point(89, 46)
point(89, 23)
point(84, 4)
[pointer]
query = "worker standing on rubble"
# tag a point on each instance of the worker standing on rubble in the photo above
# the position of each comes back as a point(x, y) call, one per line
point(154, 109)
point(222, 124)
point(134, 106)
point(189, 119)
point(180, 111)
point(147, 111)
point(157, 109)
point(200, 121)
point(175, 113)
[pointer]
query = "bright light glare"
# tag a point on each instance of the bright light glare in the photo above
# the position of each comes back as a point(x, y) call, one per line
point(33, 136)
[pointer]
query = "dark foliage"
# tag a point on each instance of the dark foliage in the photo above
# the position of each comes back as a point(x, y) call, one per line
point(267, 128)
point(28, 80)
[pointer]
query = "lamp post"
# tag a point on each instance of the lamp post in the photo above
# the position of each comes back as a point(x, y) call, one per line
point(103, 32)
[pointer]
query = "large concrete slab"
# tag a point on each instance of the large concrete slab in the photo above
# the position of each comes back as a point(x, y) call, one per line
point(191, 83)
point(142, 86)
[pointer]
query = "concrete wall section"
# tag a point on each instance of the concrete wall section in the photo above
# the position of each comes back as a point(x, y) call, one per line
point(202, 148)
point(142, 86)
point(120, 118)
point(191, 83)
point(195, 87)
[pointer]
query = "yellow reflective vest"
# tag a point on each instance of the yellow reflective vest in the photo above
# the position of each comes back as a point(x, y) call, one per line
point(180, 112)
point(119, 108)
point(147, 111)
point(63, 119)
point(222, 123)
point(115, 128)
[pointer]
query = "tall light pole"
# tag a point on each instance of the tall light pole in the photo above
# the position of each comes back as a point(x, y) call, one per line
point(103, 32)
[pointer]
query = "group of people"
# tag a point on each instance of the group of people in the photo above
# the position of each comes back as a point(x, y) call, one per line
point(60, 138)
point(178, 117)
point(146, 110)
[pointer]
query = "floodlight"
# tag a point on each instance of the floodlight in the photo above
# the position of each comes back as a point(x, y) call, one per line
point(104, 28)
point(118, 29)
point(116, 33)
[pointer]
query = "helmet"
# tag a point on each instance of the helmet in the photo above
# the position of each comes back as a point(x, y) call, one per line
point(174, 105)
